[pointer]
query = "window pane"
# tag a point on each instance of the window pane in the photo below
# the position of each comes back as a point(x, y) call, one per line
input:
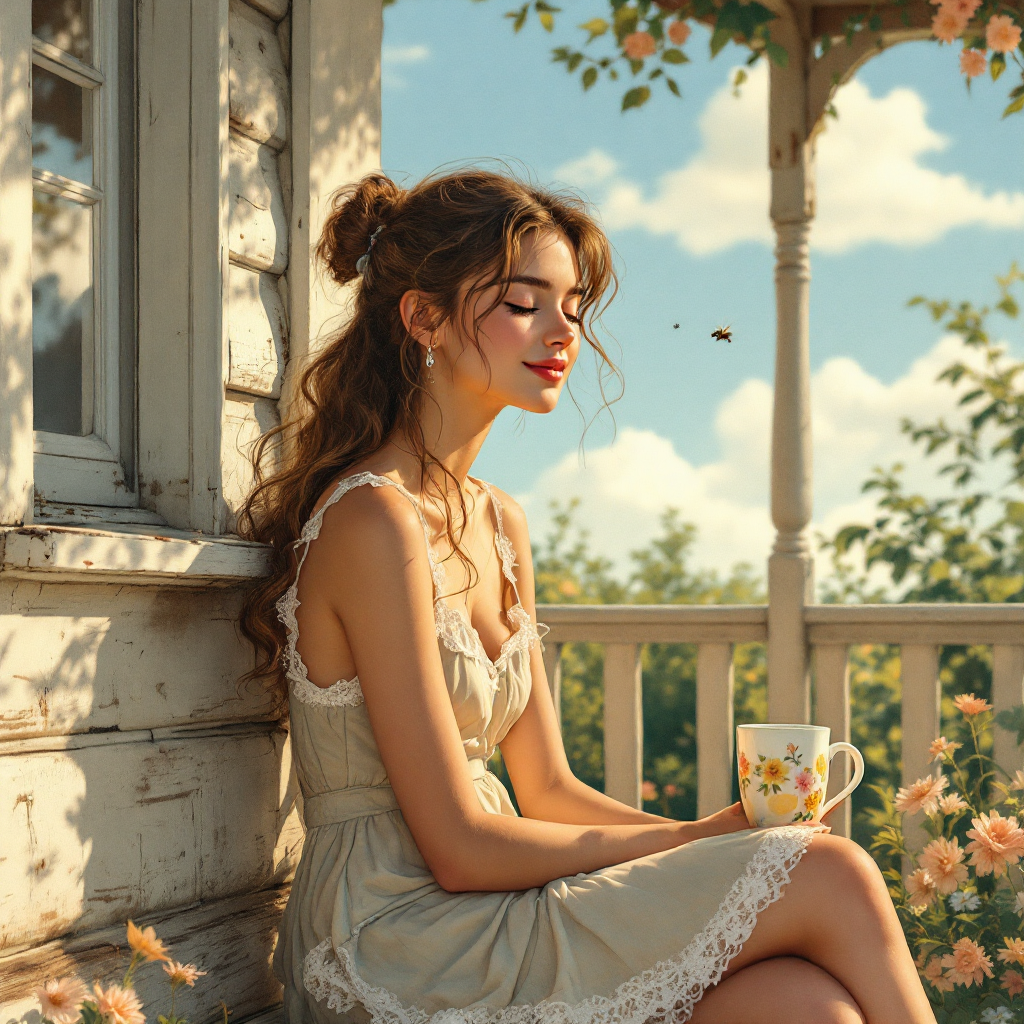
point(62, 316)
point(65, 23)
point(61, 126)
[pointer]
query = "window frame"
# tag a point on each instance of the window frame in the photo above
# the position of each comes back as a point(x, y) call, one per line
point(90, 469)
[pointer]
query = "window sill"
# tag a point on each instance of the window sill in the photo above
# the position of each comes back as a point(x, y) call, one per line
point(132, 555)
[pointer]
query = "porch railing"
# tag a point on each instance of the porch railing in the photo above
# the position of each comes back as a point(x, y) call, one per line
point(919, 630)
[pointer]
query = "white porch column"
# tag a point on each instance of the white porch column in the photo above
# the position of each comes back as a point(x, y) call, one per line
point(790, 567)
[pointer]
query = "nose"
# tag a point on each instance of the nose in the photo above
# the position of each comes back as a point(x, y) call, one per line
point(561, 333)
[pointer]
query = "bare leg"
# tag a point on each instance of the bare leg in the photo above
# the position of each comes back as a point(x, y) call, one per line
point(783, 990)
point(836, 914)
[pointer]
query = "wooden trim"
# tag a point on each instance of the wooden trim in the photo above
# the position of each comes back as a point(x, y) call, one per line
point(716, 737)
point(233, 939)
point(832, 685)
point(83, 555)
point(54, 59)
point(66, 188)
point(655, 623)
point(16, 460)
point(623, 724)
point(916, 623)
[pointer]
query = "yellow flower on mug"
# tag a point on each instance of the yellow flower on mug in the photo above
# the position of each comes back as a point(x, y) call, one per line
point(821, 765)
point(775, 771)
point(812, 801)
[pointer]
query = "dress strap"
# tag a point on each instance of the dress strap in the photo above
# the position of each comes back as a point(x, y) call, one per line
point(505, 549)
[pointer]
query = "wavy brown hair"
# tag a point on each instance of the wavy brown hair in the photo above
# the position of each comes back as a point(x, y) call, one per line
point(451, 237)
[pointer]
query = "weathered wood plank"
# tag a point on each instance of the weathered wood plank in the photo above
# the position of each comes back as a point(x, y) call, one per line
point(258, 233)
point(832, 679)
point(245, 418)
point(655, 623)
point(623, 723)
point(275, 9)
point(921, 720)
point(257, 333)
point(916, 624)
point(98, 657)
point(94, 836)
point(1007, 691)
point(85, 555)
point(259, 93)
point(715, 735)
point(232, 939)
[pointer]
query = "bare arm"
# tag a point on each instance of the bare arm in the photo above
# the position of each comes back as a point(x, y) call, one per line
point(533, 750)
point(372, 548)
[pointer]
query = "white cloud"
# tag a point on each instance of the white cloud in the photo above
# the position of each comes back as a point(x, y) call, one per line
point(872, 185)
point(393, 57)
point(856, 422)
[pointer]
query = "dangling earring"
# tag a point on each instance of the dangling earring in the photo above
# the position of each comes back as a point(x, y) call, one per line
point(430, 360)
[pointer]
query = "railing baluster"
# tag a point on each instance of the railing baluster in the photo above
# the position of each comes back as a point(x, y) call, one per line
point(553, 670)
point(623, 723)
point(832, 685)
point(1007, 691)
point(715, 735)
point(921, 720)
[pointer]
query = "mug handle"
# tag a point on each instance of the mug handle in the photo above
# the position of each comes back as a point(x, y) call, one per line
point(858, 773)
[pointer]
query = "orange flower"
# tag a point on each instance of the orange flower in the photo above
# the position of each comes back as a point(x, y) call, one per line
point(183, 974)
point(1013, 982)
point(948, 23)
point(997, 841)
point(923, 795)
point(638, 45)
point(933, 973)
point(744, 766)
point(58, 1000)
point(973, 63)
point(1001, 34)
point(967, 702)
point(678, 33)
point(144, 942)
point(118, 1005)
point(951, 803)
point(920, 888)
point(941, 858)
point(1013, 951)
point(811, 801)
point(967, 965)
point(941, 747)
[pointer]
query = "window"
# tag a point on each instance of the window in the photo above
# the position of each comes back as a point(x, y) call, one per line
point(83, 230)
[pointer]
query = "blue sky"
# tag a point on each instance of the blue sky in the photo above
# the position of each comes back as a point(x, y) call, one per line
point(459, 86)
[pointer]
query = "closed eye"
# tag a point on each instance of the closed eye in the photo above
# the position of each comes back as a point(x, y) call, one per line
point(530, 310)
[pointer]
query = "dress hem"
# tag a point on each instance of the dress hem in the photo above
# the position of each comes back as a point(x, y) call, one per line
point(668, 991)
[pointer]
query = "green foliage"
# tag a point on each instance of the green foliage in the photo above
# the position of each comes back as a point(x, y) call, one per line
point(568, 573)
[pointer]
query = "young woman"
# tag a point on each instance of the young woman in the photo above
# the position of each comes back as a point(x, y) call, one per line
point(401, 621)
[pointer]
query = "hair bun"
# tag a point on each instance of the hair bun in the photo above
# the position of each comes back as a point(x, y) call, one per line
point(357, 210)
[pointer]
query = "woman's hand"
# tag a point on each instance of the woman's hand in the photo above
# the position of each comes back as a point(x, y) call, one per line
point(729, 819)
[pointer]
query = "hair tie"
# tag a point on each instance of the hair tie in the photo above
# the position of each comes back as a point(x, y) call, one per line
point(365, 258)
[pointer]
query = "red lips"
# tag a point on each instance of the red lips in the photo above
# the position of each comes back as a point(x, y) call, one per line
point(549, 369)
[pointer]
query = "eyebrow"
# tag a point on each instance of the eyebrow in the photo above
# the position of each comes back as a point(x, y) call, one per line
point(540, 282)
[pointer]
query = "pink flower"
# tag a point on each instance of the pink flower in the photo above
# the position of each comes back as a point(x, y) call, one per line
point(1012, 982)
point(1001, 34)
point(670, 789)
point(967, 702)
point(941, 858)
point(997, 841)
point(967, 964)
point(638, 45)
point(678, 33)
point(805, 781)
point(922, 795)
point(973, 63)
point(947, 25)
point(920, 888)
point(941, 747)
point(649, 791)
point(951, 803)
point(59, 1000)
point(933, 972)
point(119, 1005)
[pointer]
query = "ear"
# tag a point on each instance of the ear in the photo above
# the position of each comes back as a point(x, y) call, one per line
point(417, 316)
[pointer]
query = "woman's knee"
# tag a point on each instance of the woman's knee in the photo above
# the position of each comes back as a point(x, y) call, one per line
point(842, 868)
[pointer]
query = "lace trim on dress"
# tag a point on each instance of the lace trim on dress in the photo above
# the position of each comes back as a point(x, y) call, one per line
point(668, 991)
point(452, 629)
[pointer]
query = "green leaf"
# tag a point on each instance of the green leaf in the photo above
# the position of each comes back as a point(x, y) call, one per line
point(673, 87)
point(1013, 108)
point(656, 73)
point(596, 27)
point(518, 17)
point(674, 56)
point(718, 40)
point(636, 97)
point(739, 78)
point(547, 20)
point(625, 22)
point(1008, 305)
point(777, 54)
point(875, 23)
point(826, 44)
point(574, 62)
point(997, 65)
point(589, 77)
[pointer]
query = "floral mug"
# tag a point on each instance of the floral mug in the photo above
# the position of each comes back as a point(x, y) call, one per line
point(783, 771)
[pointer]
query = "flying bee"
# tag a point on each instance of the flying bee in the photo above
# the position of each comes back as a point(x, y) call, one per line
point(675, 327)
point(722, 334)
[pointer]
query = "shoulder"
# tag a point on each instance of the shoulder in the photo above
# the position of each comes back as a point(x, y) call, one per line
point(513, 519)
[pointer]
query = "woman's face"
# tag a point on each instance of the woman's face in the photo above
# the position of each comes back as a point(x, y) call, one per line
point(530, 340)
